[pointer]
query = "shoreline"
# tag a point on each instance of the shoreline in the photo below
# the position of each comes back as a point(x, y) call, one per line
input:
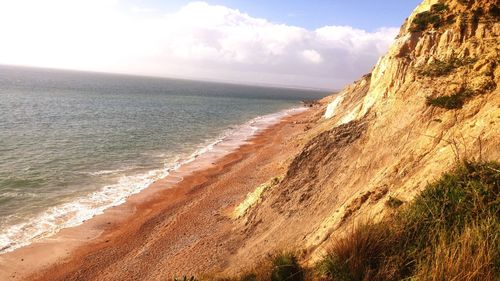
point(79, 209)
point(164, 197)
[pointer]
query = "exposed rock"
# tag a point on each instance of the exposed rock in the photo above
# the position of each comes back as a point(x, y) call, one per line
point(379, 136)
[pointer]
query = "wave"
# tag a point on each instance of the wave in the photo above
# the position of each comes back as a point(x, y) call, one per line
point(104, 172)
point(83, 208)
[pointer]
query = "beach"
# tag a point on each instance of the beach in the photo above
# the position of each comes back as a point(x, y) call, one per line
point(179, 225)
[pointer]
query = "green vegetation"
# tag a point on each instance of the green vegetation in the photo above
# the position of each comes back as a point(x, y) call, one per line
point(454, 101)
point(280, 267)
point(451, 231)
point(441, 68)
point(286, 267)
point(423, 20)
point(358, 255)
point(433, 18)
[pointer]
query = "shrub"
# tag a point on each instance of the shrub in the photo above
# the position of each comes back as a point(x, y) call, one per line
point(286, 268)
point(423, 20)
point(441, 68)
point(449, 102)
point(332, 268)
point(437, 68)
point(454, 101)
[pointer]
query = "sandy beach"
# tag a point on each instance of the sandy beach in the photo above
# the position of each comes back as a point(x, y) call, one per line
point(180, 225)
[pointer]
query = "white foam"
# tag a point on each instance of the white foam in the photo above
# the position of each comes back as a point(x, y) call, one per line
point(83, 208)
point(105, 172)
point(17, 194)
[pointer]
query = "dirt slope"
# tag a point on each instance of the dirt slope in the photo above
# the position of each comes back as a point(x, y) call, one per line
point(431, 101)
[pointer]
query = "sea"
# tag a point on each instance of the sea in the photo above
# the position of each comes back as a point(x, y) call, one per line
point(73, 144)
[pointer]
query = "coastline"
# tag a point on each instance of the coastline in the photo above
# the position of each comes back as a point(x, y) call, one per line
point(147, 218)
point(111, 193)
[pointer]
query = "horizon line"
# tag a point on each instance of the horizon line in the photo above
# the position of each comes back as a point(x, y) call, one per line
point(207, 80)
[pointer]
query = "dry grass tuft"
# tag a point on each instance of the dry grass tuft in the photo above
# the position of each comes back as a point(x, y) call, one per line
point(449, 232)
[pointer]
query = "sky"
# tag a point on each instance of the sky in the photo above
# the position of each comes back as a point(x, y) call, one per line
point(317, 44)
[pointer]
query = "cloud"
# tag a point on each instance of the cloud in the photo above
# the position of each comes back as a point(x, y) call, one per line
point(200, 41)
point(312, 56)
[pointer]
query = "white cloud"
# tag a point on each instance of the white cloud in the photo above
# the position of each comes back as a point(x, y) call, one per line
point(137, 9)
point(312, 56)
point(198, 41)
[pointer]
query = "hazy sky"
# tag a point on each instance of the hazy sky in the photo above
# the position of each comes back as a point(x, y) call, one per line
point(321, 44)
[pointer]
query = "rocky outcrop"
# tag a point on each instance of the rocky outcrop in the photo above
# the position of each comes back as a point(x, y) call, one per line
point(431, 101)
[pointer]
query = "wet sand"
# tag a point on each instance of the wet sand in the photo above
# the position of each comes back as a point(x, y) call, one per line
point(180, 225)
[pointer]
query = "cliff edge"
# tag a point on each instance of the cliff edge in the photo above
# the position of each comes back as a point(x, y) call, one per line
point(432, 101)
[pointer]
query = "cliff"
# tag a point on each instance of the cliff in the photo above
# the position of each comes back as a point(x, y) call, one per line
point(432, 101)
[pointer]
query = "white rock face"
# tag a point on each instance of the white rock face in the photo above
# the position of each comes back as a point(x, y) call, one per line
point(383, 75)
point(330, 109)
point(350, 116)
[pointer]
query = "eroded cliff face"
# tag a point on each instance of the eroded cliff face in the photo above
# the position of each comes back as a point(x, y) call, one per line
point(431, 101)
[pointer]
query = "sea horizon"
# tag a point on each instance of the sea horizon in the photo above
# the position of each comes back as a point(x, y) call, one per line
point(182, 78)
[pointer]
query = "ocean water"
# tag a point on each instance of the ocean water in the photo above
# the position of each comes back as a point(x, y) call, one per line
point(73, 144)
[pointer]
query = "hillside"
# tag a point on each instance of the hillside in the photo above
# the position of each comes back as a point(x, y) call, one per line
point(431, 102)
point(397, 177)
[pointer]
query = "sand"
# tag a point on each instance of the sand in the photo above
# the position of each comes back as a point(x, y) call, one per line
point(180, 225)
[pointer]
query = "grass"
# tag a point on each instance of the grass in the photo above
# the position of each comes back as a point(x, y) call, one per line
point(283, 266)
point(451, 231)
point(286, 267)
point(444, 67)
point(359, 255)
point(454, 101)
point(467, 256)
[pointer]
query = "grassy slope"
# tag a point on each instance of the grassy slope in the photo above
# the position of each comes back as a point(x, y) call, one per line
point(449, 232)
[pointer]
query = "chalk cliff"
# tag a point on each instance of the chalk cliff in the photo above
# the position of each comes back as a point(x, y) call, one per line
point(431, 101)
